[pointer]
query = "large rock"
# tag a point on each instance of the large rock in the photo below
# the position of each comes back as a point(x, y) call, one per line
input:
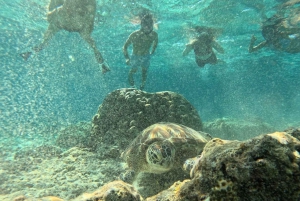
point(74, 135)
point(126, 112)
point(179, 191)
point(113, 191)
point(263, 168)
point(48, 198)
point(149, 184)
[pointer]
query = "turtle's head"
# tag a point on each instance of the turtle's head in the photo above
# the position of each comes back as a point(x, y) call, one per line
point(147, 23)
point(160, 156)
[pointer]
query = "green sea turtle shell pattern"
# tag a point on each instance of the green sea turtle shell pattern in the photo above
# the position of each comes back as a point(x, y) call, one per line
point(187, 142)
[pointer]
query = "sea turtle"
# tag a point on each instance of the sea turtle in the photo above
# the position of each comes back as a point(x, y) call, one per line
point(162, 147)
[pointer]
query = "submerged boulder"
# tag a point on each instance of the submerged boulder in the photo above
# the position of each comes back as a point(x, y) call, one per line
point(179, 191)
point(126, 112)
point(74, 135)
point(262, 168)
point(48, 198)
point(113, 191)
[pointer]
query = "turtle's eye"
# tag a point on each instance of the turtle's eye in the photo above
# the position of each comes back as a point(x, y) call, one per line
point(154, 155)
point(157, 159)
point(166, 151)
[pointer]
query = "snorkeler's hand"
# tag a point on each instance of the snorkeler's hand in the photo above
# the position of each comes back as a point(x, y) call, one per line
point(105, 68)
point(151, 54)
point(253, 38)
point(128, 62)
point(25, 55)
point(251, 48)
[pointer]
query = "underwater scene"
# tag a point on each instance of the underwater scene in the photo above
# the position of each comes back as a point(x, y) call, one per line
point(155, 100)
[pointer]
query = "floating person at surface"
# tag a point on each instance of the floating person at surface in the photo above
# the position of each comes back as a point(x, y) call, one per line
point(278, 36)
point(203, 45)
point(73, 16)
point(289, 3)
point(142, 40)
point(291, 10)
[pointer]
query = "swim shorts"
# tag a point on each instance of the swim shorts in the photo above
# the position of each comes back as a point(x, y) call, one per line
point(137, 61)
point(284, 43)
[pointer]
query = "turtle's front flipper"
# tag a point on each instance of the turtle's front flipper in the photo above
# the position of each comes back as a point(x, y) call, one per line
point(128, 176)
point(189, 163)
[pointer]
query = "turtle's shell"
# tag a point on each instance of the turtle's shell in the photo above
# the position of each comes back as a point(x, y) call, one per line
point(188, 143)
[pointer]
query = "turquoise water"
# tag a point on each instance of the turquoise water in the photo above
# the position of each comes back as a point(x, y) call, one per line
point(63, 84)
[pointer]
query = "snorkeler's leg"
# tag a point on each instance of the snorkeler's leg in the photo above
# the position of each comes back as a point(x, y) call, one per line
point(144, 77)
point(253, 48)
point(145, 63)
point(250, 48)
point(212, 59)
point(87, 37)
point(51, 31)
point(200, 63)
point(130, 76)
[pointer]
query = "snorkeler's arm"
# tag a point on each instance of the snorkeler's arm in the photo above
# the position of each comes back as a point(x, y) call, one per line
point(51, 31)
point(253, 48)
point(126, 45)
point(218, 47)
point(155, 42)
point(54, 4)
point(187, 49)
point(291, 31)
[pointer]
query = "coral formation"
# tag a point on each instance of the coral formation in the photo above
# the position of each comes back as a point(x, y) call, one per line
point(74, 135)
point(262, 168)
point(113, 191)
point(67, 175)
point(126, 112)
point(42, 151)
point(48, 198)
point(179, 191)
point(77, 135)
point(150, 184)
point(295, 132)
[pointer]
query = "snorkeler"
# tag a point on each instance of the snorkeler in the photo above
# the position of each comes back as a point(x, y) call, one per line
point(203, 46)
point(278, 36)
point(289, 3)
point(73, 16)
point(141, 40)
